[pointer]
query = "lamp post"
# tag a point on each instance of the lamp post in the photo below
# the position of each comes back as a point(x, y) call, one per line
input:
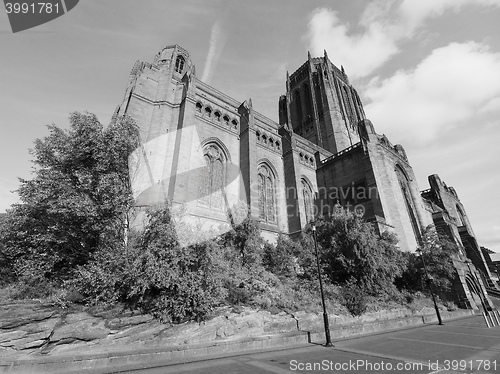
point(325, 314)
point(428, 281)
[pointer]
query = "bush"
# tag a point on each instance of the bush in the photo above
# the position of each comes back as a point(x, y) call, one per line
point(155, 274)
point(350, 249)
point(282, 259)
point(354, 299)
point(31, 281)
point(437, 250)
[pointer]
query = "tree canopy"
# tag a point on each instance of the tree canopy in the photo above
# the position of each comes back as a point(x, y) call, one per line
point(351, 250)
point(78, 199)
point(438, 251)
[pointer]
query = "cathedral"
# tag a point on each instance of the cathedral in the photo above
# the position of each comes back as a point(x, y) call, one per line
point(208, 152)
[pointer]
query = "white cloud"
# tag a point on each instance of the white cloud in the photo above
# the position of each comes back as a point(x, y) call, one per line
point(449, 87)
point(383, 25)
point(327, 32)
point(217, 41)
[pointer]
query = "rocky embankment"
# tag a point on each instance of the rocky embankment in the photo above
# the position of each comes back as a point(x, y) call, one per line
point(29, 330)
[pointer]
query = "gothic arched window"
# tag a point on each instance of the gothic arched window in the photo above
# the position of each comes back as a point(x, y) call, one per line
point(461, 216)
point(298, 107)
point(404, 183)
point(211, 190)
point(347, 103)
point(179, 64)
point(308, 103)
point(267, 208)
point(308, 201)
point(317, 93)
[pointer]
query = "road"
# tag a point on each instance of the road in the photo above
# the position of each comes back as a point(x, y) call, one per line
point(460, 346)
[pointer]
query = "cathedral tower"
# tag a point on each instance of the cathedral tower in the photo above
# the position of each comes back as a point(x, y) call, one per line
point(321, 106)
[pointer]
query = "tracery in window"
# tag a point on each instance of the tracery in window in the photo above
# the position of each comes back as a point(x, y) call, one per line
point(179, 64)
point(211, 190)
point(267, 208)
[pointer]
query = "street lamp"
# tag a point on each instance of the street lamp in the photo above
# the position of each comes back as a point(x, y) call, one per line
point(428, 281)
point(325, 314)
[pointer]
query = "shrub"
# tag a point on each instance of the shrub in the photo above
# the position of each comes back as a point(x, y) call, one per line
point(437, 250)
point(155, 274)
point(350, 249)
point(31, 281)
point(354, 299)
point(282, 259)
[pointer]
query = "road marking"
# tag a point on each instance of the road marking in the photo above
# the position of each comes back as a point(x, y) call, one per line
point(465, 334)
point(440, 343)
point(267, 367)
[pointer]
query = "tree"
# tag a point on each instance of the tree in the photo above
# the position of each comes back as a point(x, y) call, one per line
point(282, 259)
point(244, 243)
point(79, 199)
point(437, 251)
point(171, 282)
point(351, 250)
point(156, 274)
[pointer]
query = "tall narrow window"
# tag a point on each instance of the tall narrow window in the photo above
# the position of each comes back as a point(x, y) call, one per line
point(308, 103)
point(267, 208)
point(298, 107)
point(308, 201)
point(319, 101)
point(179, 64)
point(461, 217)
point(404, 183)
point(211, 190)
point(347, 105)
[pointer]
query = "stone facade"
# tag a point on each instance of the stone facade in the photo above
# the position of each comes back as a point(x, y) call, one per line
point(209, 152)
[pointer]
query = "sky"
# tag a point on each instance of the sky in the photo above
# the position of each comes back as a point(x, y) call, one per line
point(427, 71)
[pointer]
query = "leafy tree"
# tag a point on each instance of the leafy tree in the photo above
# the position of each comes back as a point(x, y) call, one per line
point(437, 251)
point(245, 243)
point(156, 274)
point(282, 259)
point(172, 282)
point(79, 199)
point(350, 249)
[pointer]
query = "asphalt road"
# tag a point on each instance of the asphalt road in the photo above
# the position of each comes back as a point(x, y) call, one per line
point(460, 346)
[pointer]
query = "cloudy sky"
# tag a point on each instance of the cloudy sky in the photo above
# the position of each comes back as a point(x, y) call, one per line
point(428, 72)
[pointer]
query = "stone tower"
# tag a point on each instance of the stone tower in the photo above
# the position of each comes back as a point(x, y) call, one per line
point(321, 106)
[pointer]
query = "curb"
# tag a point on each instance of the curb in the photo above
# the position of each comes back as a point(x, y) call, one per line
point(129, 360)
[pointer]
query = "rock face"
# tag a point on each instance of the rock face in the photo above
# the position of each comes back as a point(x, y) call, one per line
point(30, 329)
point(34, 329)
